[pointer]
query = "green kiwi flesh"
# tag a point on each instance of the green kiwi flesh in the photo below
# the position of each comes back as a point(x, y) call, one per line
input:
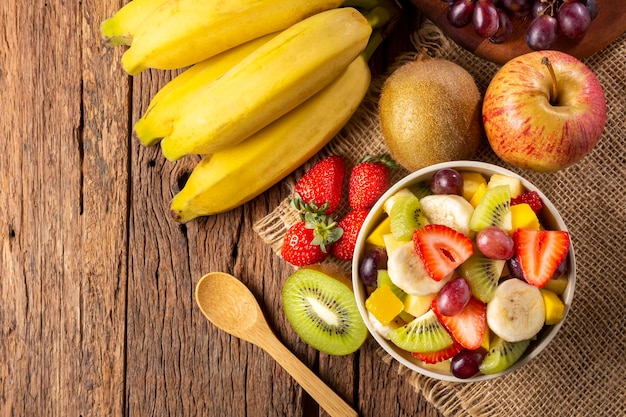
point(405, 216)
point(502, 355)
point(482, 274)
point(322, 310)
point(493, 210)
point(424, 334)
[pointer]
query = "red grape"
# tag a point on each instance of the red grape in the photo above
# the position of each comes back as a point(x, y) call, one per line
point(504, 30)
point(447, 181)
point(373, 261)
point(495, 243)
point(460, 13)
point(592, 5)
point(453, 297)
point(518, 7)
point(574, 19)
point(541, 32)
point(465, 363)
point(485, 18)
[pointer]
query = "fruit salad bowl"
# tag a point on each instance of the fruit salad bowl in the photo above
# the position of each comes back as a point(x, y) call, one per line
point(464, 271)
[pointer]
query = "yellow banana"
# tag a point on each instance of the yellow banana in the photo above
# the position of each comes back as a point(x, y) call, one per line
point(236, 175)
point(269, 82)
point(120, 28)
point(164, 106)
point(184, 32)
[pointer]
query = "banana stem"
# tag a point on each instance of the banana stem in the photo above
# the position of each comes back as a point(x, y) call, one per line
point(363, 5)
point(375, 40)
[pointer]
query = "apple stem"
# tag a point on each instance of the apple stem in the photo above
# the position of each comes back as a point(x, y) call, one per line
point(554, 96)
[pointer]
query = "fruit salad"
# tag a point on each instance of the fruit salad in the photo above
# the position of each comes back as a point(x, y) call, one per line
point(462, 273)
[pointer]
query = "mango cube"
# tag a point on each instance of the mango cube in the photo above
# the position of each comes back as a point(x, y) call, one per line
point(416, 305)
point(384, 304)
point(376, 237)
point(471, 182)
point(557, 285)
point(523, 216)
point(555, 308)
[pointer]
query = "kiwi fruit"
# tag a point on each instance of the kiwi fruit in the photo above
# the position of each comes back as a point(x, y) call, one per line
point(322, 310)
point(405, 216)
point(494, 209)
point(502, 355)
point(425, 334)
point(384, 279)
point(430, 112)
point(483, 275)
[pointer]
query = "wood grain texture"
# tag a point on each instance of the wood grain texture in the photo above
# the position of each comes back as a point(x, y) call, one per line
point(608, 25)
point(97, 316)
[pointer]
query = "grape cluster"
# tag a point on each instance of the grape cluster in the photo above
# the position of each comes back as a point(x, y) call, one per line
point(491, 19)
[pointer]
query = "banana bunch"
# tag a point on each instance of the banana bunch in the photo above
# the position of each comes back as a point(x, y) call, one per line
point(268, 84)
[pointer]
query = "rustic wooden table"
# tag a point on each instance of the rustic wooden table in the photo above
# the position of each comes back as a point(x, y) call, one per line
point(97, 315)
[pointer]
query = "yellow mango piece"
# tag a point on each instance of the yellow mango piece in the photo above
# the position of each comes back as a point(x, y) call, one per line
point(486, 340)
point(478, 194)
point(555, 308)
point(391, 243)
point(514, 183)
point(471, 181)
point(523, 217)
point(416, 305)
point(376, 237)
point(557, 285)
point(384, 304)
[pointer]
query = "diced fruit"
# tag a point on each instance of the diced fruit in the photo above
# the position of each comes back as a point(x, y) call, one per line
point(483, 275)
point(515, 185)
point(478, 195)
point(424, 334)
point(486, 340)
point(405, 216)
point(391, 244)
point(555, 308)
point(388, 204)
point(450, 210)
point(416, 305)
point(467, 327)
point(439, 356)
point(384, 304)
point(540, 252)
point(407, 271)
point(502, 355)
point(384, 279)
point(531, 198)
point(524, 217)
point(557, 285)
point(420, 189)
point(376, 237)
point(494, 209)
point(471, 182)
point(442, 249)
point(384, 330)
point(372, 262)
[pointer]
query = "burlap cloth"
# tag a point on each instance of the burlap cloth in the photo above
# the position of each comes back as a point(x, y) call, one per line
point(583, 371)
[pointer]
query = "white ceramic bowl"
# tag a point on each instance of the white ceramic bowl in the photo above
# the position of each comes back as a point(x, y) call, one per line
point(550, 218)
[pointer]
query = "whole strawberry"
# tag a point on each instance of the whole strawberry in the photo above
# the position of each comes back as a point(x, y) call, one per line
point(319, 189)
point(351, 225)
point(369, 180)
point(307, 241)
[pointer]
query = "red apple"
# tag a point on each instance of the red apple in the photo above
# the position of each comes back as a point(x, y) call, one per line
point(544, 111)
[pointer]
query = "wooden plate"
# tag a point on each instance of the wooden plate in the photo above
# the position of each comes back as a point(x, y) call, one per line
point(608, 25)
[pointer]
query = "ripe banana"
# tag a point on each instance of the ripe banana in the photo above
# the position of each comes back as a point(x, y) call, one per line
point(517, 311)
point(184, 32)
point(451, 210)
point(406, 270)
point(234, 176)
point(164, 106)
point(274, 79)
point(120, 28)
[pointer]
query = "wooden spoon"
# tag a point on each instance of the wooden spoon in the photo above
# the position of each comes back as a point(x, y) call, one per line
point(229, 305)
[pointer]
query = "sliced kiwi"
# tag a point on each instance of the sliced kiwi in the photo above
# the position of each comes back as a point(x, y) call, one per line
point(421, 189)
point(424, 334)
point(483, 275)
point(322, 310)
point(493, 210)
point(502, 355)
point(405, 216)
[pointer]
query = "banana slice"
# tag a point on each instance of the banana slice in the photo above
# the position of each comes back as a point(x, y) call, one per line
point(451, 210)
point(406, 271)
point(382, 329)
point(517, 311)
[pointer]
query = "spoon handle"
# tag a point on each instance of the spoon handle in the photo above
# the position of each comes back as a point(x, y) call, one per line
point(325, 397)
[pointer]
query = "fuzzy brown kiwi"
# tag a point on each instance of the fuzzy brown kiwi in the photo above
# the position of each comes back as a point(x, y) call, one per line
point(322, 310)
point(430, 112)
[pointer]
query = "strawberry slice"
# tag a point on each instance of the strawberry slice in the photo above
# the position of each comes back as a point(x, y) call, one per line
point(440, 355)
point(442, 249)
point(539, 253)
point(467, 327)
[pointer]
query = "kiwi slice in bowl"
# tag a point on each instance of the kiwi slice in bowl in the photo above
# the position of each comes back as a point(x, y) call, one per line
point(322, 310)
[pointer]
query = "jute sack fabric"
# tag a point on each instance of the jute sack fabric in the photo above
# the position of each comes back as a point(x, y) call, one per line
point(583, 371)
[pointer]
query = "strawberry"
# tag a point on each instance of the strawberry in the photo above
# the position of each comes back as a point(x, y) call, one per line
point(467, 327)
point(306, 242)
point(351, 225)
point(531, 198)
point(442, 249)
point(539, 253)
point(440, 355)
point(368, 181)
point(321, 186)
